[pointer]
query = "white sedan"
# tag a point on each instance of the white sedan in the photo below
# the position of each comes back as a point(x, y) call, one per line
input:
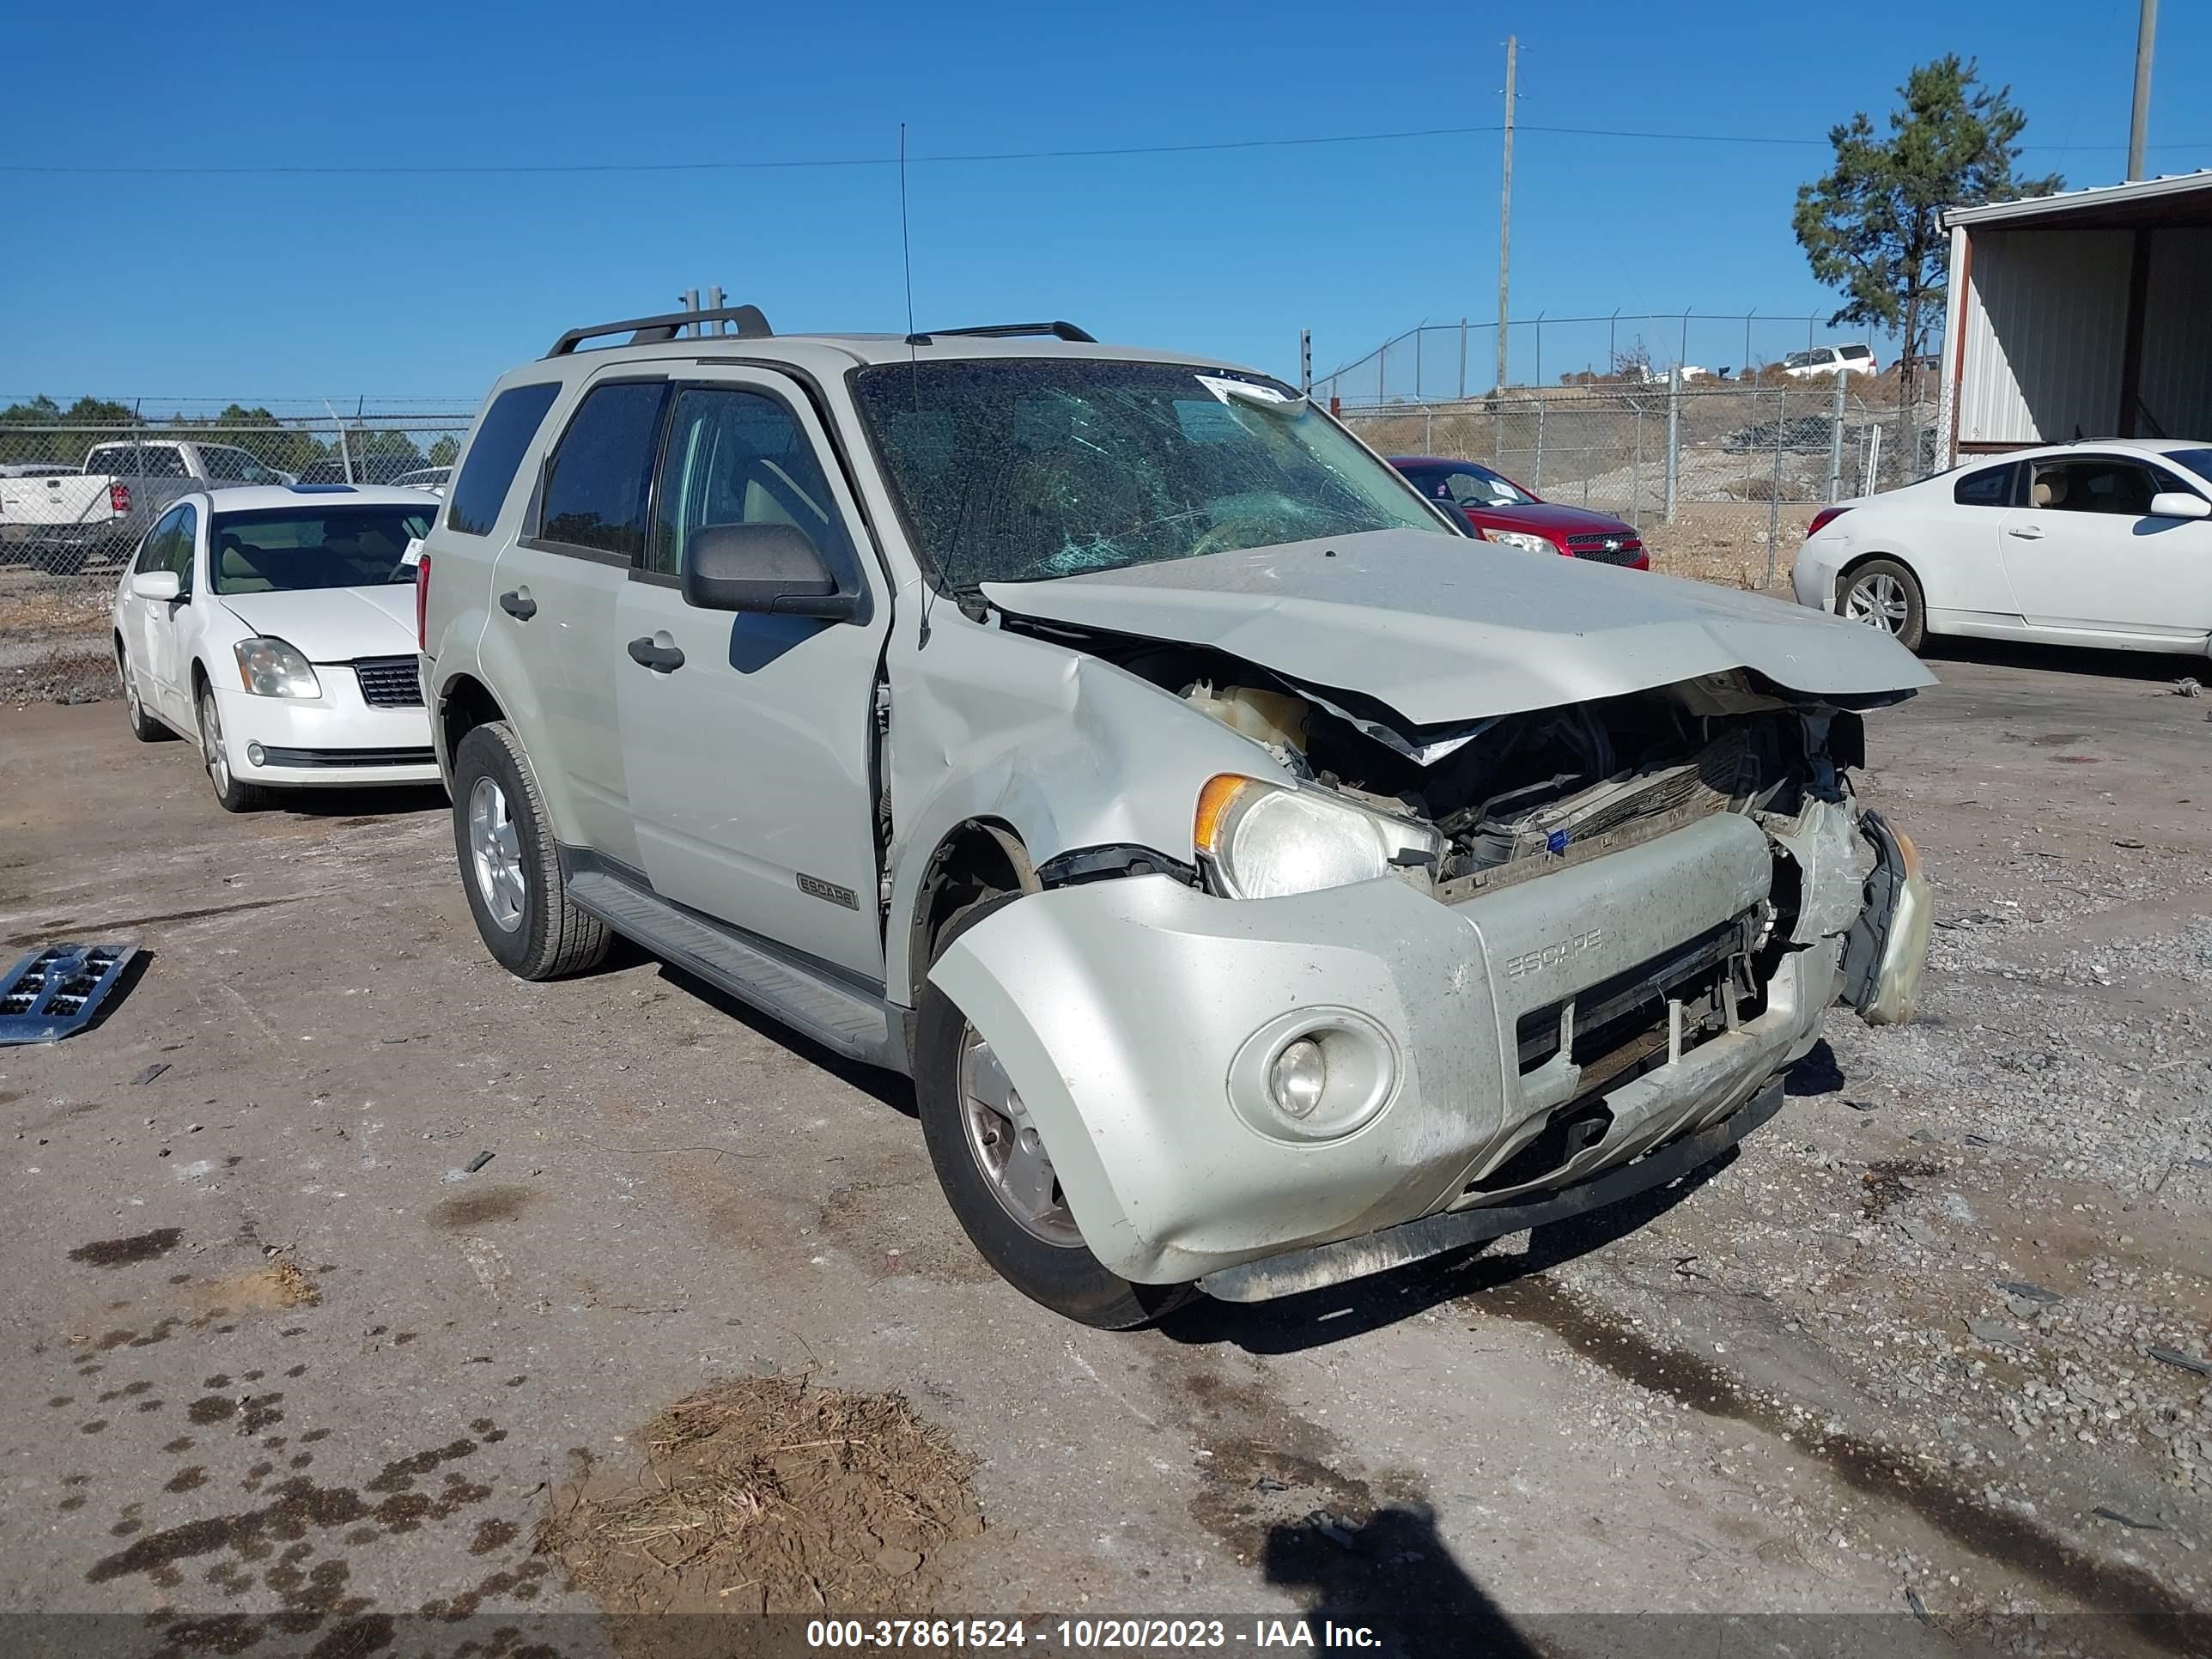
point(2103, 543)
point(274, 628)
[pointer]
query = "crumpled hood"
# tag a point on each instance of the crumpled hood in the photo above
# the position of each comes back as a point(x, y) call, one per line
point(1443, 628)
point(334, 624)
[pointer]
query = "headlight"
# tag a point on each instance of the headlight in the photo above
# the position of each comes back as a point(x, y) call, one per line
point(1264, 841)
point(271, 668)
point(1525, 541)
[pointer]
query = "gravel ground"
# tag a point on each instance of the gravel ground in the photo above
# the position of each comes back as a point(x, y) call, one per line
point(1899, 1360)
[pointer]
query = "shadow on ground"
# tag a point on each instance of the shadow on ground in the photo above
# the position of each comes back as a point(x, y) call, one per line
point(1395, 1577)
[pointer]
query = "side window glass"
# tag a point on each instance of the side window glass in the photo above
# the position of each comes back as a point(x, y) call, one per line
point(494, 454)
point(1990, 487)
point(2121, 487)
point(182, 535)
point(600, 476)
point(222, 464)
point(154, 554)
point(163, 462)
point(737, 457)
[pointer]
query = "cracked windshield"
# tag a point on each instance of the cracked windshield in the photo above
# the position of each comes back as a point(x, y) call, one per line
point(1021, 470)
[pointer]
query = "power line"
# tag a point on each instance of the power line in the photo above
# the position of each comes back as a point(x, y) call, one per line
point(1109, 152)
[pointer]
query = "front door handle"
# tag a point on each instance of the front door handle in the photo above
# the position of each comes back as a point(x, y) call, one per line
point(519, 606)
point(661, 659)
point(2027, 533)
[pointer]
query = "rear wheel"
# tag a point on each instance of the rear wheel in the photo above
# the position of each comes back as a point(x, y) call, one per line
point(1882, 593)
point(215, 754)
point(510, 864)
point(997, 1172)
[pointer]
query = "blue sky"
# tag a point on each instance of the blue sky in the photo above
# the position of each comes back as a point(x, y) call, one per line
point(428, 285)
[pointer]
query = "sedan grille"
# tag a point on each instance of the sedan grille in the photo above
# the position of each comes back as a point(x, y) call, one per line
point(389, 681)
point(1616, 549)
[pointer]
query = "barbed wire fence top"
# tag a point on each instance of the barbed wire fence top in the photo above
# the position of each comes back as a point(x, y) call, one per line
point(77, 495)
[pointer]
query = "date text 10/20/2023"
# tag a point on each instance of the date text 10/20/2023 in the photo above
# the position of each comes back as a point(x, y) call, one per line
point(978, 1635)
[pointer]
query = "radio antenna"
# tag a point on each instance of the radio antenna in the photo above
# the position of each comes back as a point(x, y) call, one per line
point(912, 362)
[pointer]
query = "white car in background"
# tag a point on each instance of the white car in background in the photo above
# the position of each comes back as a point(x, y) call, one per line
point(274, 628)
point(1853, 357)
point(2103, 543)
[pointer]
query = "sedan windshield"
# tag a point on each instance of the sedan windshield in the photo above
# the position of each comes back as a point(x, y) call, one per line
point(1020, 469)
point(286, 550)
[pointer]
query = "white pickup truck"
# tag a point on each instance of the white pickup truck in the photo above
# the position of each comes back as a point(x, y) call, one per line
point(63, 521)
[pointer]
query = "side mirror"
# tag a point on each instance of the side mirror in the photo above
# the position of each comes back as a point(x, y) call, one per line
point(771, 567)
point(159, 586)
point(2180, 504)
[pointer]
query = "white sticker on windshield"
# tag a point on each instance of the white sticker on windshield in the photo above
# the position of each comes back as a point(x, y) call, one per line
point(1224, 388)
point(414, 553)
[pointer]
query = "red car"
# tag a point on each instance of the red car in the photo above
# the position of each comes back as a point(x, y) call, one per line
point(1499, 510)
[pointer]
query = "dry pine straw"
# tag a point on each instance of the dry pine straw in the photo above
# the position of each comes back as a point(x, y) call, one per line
point(769, 1495)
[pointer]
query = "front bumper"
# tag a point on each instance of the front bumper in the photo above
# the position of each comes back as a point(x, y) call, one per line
point(335, 740)
point(1128, 1013)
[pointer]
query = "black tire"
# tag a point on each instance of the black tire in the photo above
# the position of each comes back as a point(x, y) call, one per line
point(549, 935)
point(1065, 1277)
point(1867, 582)
point(230, 794)
point(144, 726)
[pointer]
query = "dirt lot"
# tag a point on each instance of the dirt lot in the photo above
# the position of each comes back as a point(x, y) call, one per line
point(281, 1373)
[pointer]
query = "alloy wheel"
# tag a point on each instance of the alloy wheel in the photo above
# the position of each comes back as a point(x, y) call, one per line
point(1007, 1148)
point(211, 748)
point(1879, 601)
point(495, 850)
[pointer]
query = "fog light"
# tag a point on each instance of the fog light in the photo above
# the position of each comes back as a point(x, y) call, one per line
point(1299, 1077)
point(253, 753)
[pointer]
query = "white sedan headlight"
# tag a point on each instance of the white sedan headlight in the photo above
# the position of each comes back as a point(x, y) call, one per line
point(271, 668)
point(1524, 540)
point(1264, 841)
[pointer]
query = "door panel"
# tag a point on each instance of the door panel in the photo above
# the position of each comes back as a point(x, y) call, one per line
point(560, 587)
point(572, 646)
point(751, 764)
point(2084, 556)
point(169, 627)
point(139, 616)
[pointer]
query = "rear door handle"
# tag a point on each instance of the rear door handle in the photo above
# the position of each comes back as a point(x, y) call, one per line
point(519, 606)
point(2027, 533)
point(661, 659)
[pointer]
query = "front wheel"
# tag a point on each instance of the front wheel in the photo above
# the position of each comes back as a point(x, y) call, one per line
point(510, 864)
point(232, 795)
point(997, 1172)
point(1882, 593)
point(144, 726)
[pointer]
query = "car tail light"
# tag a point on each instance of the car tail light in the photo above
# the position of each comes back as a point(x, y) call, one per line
point(422, 603)
point(119, 498)
point(1824, 516)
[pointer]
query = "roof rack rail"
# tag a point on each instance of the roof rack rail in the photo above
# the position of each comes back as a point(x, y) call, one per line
point(651, 331)
point(1013, 330)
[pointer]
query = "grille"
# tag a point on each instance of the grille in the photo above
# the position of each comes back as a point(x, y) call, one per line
point(1629, 550)
point(389, 681)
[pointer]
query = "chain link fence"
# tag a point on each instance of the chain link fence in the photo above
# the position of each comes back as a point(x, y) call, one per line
point(1643, 451)
point(1454, 361)
point(76, 496)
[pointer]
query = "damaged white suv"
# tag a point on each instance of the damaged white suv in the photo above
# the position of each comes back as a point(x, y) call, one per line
point(1263, 882)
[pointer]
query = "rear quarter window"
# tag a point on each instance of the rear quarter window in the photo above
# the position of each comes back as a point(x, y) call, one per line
point(495, 455)
point(1990, 487)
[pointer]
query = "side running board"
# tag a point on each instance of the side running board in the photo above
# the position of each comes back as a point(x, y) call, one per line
point(846, 1018)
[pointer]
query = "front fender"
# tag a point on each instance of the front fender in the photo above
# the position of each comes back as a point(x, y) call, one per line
point(1066, 749)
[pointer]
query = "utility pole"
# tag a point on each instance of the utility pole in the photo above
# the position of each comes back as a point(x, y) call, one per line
point(2139, 124)
point(1505, 204)
point(1305, 362)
